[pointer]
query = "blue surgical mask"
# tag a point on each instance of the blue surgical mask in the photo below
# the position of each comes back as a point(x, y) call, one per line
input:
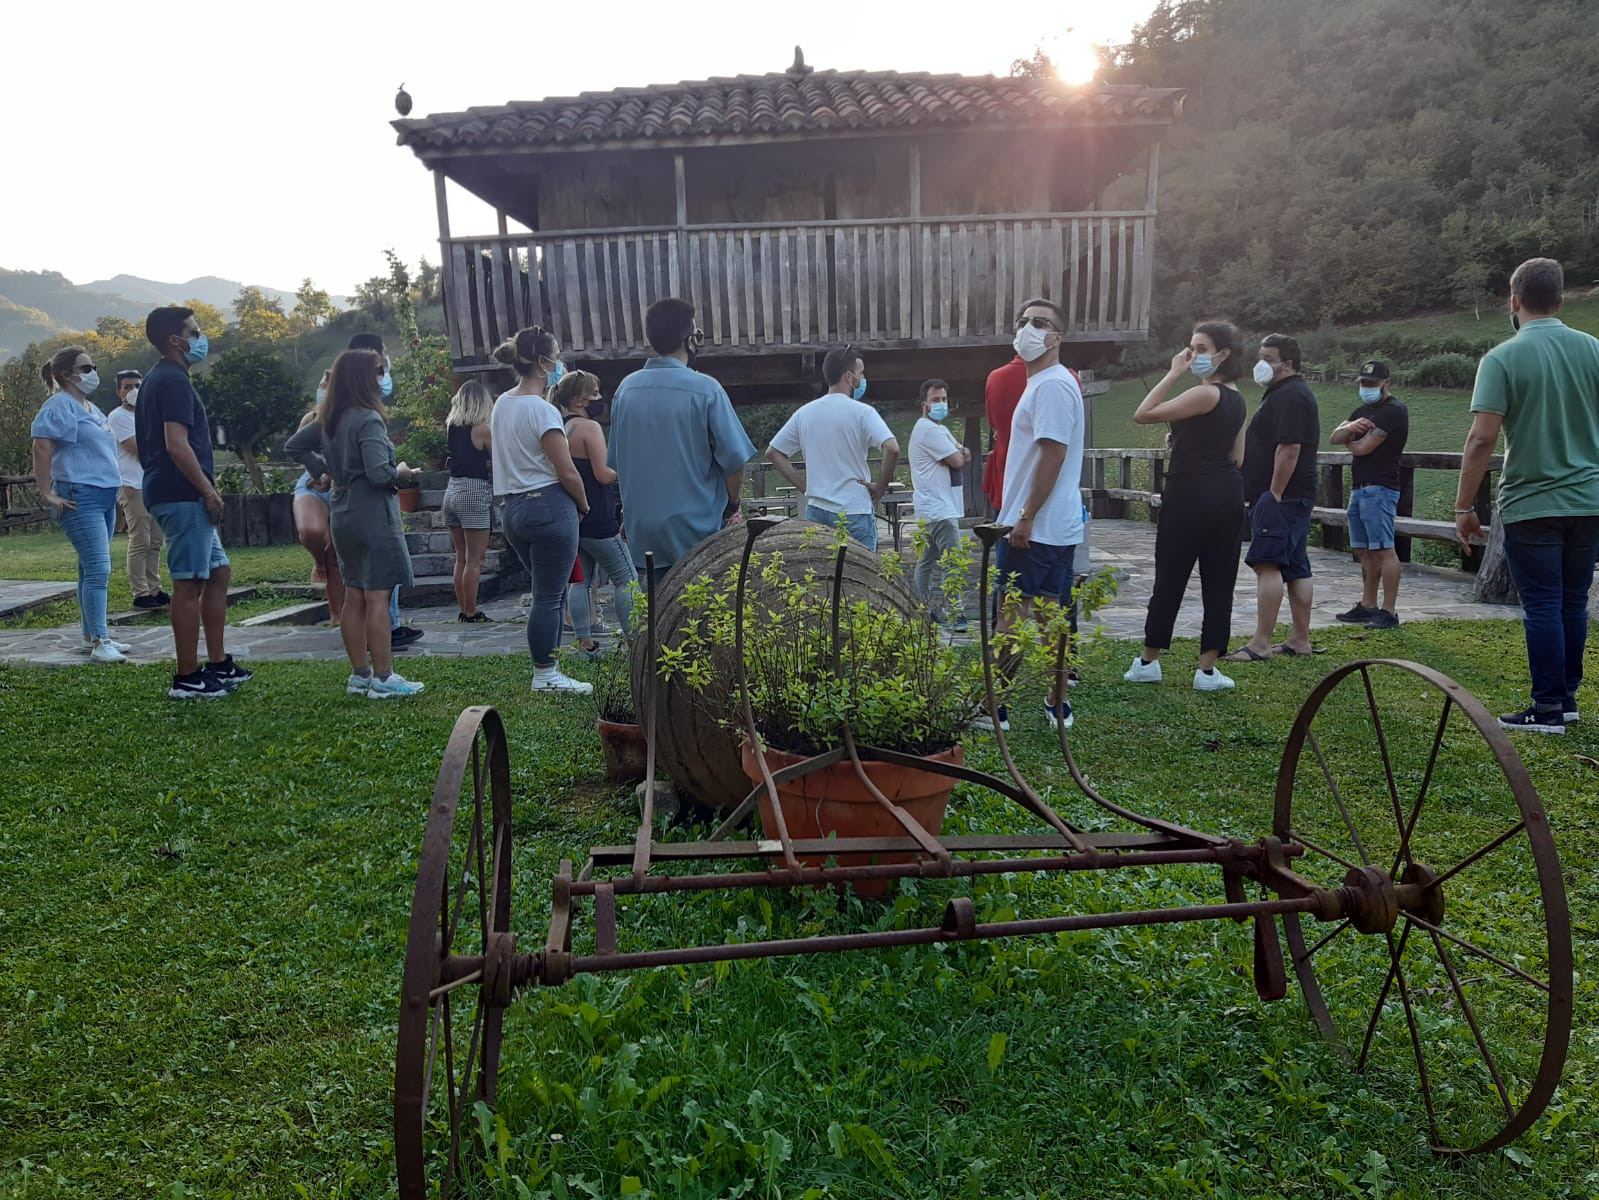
point(860, 391)
point(555, 375)
point(199, 347)
point(1202, 365)
point(321, 395)
point(1370, 395)
point(938, 411)
point(386, 385)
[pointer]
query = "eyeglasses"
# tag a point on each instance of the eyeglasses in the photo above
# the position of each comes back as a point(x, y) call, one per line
point(85, 367)
point(1037, 323)
point(697, 337)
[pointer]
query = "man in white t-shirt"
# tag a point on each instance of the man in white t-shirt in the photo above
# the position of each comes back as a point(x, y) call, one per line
point(833, 434)
point(144, 535)
point(936, 462)
point(1043, 474)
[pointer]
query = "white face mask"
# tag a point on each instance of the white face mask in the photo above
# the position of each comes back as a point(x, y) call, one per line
point(88, 381)
point(1264, 373)
point(1030, 342)
point(132, 398)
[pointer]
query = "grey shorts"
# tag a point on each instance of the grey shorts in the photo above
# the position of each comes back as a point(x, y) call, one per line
point(467, 504)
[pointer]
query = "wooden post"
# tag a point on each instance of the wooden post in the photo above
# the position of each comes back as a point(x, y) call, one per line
point(1332, 491)
point(499, 217)
point(916, 179)
point(453, 322)
point(972, 482)
point(1407, 499)
point(1152, 176)
point(682, 227)
point(1099, 503)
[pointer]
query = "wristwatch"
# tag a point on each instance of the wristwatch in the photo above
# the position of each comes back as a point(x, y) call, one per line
point(1024, 515)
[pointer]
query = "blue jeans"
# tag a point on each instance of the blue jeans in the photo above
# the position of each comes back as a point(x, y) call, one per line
point(611, 555)
point(89, 527)
point(541, 528)
point(394, 608)
point(862, 526)
point(1551, 560)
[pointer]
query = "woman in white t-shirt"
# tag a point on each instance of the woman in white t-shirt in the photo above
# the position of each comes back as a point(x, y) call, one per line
point(542, 492)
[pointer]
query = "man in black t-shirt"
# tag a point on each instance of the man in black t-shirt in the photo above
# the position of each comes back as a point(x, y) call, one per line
point(1280, 488)
point(1375, 433)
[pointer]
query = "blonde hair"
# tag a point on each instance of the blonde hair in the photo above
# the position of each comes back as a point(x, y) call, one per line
point(471, 404)
point(573, 387)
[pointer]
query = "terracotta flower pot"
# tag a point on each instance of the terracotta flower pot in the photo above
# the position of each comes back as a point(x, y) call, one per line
point(625, 751)
point(410, 499)
point(835, 801)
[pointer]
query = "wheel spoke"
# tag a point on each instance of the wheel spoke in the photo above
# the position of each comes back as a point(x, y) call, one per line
point(447, 988)
point(1382, 748)
point(1308, 954)
point(1338, 799)
point(1471, 1020)
point(449, 1086)
point(1409, 827)
point(427, 1074)
point(1376, 1013)
point(1478, 950)
point(1321, 850)
point(472, 845)
point(466, 1082)
point(1415, 1035)
point(1482, 853)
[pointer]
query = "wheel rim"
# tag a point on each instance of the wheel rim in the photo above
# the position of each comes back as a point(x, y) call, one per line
point(1394, 766)
point(447, 1055)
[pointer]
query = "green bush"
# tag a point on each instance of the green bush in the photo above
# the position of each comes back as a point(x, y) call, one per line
point(424, 447)
point(232, 481)
point(1448, 370)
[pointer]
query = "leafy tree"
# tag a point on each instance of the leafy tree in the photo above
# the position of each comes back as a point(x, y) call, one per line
point(1470, 284)
point(213, 323)
point(263, 327)
point(1039, 66)
point(313, 307)
point(250, 396)
point(252, 300)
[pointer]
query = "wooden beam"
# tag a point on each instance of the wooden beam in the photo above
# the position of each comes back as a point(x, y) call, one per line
point(1152, 176)
point(443, 204)
point(916, 178)
point(682, 223)
point(499, 218)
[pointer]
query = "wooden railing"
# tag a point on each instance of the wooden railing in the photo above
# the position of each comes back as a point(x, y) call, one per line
point(1107, 500)
point(21, 506)
point(804, 285)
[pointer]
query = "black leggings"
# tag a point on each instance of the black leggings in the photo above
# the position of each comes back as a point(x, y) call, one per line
point(1200, 522)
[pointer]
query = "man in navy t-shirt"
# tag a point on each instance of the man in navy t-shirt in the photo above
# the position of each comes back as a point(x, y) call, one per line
point(174, 439)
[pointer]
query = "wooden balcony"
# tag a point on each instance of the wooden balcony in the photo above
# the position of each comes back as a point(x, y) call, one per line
point(773, 288)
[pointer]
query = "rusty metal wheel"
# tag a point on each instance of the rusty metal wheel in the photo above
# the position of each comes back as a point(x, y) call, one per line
point(448, 1053)
point(1395, 774)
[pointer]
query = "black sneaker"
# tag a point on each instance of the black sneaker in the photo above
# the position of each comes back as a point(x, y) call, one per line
point(1358, 615)
point(229, 673)
point(149, 602)
point(1533, 721)
point(164, 598)
point(1382, 619)
point(404, 635)
point(202, 685)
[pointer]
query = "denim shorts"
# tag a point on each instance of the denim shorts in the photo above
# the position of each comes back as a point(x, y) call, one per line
point(302, 487)
point(1371, 517)
point(1279, 536)
point(1040, 570)
point(194, 548)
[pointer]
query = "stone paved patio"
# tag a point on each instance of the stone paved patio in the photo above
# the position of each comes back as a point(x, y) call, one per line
point(1427, 593)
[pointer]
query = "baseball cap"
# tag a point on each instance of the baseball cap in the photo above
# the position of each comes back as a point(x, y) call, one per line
point(1373, 369)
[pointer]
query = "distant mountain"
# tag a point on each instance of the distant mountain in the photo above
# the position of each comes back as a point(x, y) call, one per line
point(37, 304)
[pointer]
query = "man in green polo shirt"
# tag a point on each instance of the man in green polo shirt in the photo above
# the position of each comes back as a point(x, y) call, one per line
point(1542, 389)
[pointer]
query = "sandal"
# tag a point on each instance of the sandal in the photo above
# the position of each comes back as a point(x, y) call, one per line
point(1285, 648)
point(1249, 656)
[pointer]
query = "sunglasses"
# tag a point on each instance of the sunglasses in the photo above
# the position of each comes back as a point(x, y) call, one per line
point(85, 367)
point(1037, 323)
point(697, 337)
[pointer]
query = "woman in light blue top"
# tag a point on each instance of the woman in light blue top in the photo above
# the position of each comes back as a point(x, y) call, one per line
point(75, 469)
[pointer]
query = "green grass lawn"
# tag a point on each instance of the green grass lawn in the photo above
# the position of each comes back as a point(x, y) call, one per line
point(205, 910)
point(46, 554)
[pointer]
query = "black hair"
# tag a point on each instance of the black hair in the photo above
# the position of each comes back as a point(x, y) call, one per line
point(164, 323)
point(366, 341)
point(1539, 283)
point(930, 385)
point(1224, 335)
point(668, 324)
point(1287, 347)
point(839, 362)
point(129, 373)
point(1060, 315)
point(59, 365)
point(524, 349)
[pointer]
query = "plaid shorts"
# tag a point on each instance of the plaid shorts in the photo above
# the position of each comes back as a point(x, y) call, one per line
point(467, 503)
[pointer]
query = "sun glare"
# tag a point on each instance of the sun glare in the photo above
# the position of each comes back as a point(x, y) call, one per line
point(1075, 60)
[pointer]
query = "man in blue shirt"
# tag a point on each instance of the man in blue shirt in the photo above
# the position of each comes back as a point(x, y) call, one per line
point(174, 440)
point(677, 447)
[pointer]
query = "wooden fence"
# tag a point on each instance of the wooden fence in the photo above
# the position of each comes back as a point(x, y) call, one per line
point(21, 506)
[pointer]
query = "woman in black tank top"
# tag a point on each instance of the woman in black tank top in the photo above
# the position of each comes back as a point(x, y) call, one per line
point(468, 500)
point(1202, 506)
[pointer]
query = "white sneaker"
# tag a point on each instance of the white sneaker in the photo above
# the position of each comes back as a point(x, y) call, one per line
point(105, 651)
point(394, 687)
point(1214, 682)
point(1143, 672)
point(982, 721)
point(90, 643)
point(359, 685)
point(555, 680)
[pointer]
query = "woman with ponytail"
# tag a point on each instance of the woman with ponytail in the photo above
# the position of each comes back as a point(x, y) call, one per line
point(75, 469)
point(542, 492)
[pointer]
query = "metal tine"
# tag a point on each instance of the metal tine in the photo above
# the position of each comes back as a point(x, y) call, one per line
point(755, 527)
point(908, 823)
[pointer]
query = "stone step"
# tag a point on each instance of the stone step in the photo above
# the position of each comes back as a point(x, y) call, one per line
point(235, 595)
point(309, 613)
point(444, 564)
point(430, 480)
point(432, 498)
point(437, 541)
point(433, 590)
point(429, 520)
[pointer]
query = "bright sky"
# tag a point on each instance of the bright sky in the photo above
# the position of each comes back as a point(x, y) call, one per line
point(252, 141)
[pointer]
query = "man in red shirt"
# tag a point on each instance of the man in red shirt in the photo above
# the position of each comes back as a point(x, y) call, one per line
point(1001, 394)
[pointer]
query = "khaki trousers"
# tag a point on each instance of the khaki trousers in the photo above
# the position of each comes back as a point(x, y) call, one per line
point(144, 543)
